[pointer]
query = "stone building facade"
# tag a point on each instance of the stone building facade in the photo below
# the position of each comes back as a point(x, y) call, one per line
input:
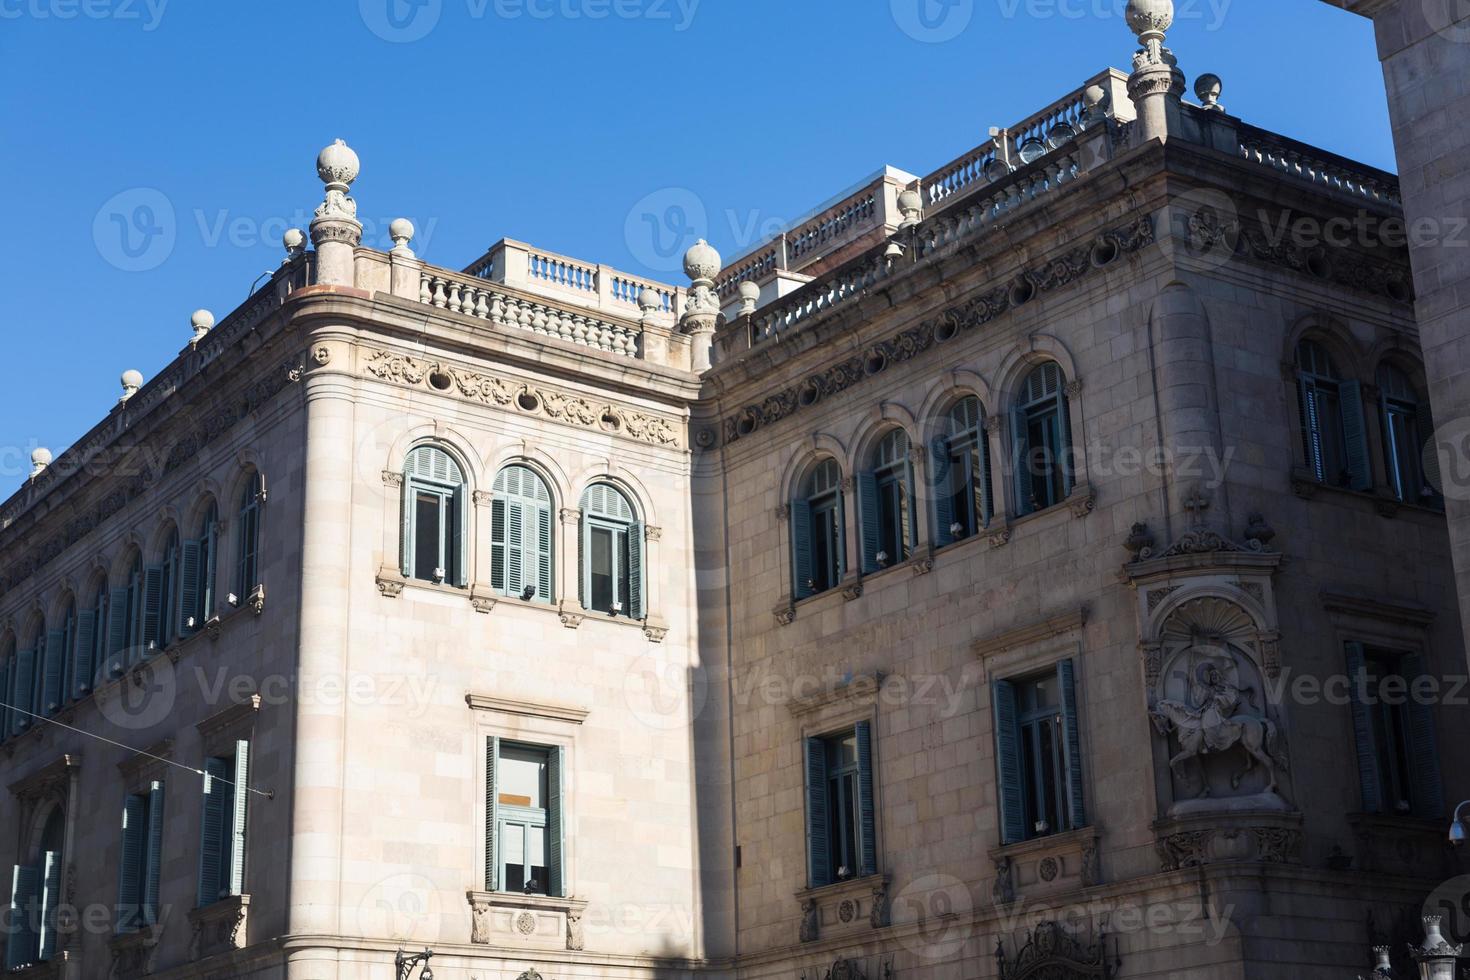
point(1012, 572)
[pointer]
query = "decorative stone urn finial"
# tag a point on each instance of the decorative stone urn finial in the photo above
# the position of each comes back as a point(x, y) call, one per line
point(1150, 20)
point(911, 206)
point(750, 297)
point(649, 302)
point(40, 459)
point(1207, 89)
point(1095, 104)
point(294, 241)
point(202, 321)
point(401, 231)
point(335, 231)
point(131, 382)
point(1156, 85)
point(701, 305)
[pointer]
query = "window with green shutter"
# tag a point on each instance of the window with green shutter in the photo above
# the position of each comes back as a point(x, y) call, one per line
point(1038, 750)
point(818, 537)
point(435, 518)
point(140, 861)
point(1041, 440)
point(525, 820)
point(841, 806)
point(247, 540)
point(223, 825)
point(886, 502)
point(610, 553)
point(1412, 465)
point(521, 536)
point(1334, 437)
point(1393, 733)
point(960, 474)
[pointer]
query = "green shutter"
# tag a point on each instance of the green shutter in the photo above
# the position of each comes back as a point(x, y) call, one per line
point(636, 605)
point(117, 631)
point(4, 701)
point(1072, 731)
point(941, 484)
point(986, 489)
point(25, 886)
point(24, 683)
point(1355, 436)
point(801, 548)
point(82, 667)
point(841, 543)
point(555, 822)
point(408, 518)
point(189, 565)
point(53, 673)
point(460, 536)
point(869, 519)
point(152, 609)
point(492, 814)
point(818, 848)
point(1064, 442)
point(1008, 763)
point(211, 843)
point(153, 863)
point(208, 574)
point(1311, 427)
point(1363, 739)
point(1020, 462)
point(584, 570)
point(1424, 748)
point(130, 863)
point(515, 548)
point(50, 902)
point(239, 810)
point(543, 554)
point(867, 805)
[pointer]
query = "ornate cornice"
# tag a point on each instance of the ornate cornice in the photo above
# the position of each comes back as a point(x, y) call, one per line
point(47, 779)
point(530, 709)
point(1033, 633)
point(910, 343)
point(528, 399)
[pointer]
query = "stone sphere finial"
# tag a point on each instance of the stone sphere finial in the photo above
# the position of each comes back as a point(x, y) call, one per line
point(401, 230)
point(649, 301)
point(40, 459)
point(338, 164)
point(702, 261)
point(911, 206)
point(750, 297)
point(1094, 102)
point(1148, 18)
point(294, 241)
point(202, 321)
point(131, 382)
point(1207, 89)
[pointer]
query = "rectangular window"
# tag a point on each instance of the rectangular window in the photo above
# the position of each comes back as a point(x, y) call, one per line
point(524, 819)
point(428, 559)
point(609, 571)
point(1038, 754)
point(222, 826)
point(826, 542)
point(1402, 452)
point(1393, 726)
point(141, 859)
point(841, 824)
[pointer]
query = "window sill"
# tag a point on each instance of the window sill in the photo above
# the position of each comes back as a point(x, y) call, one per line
point(1392, 843)
point(52, 969)
point(219, 927)
point(573, 615)
point(843, 908)
point(1063, 861)
point(514, 921)
point(1305, 485)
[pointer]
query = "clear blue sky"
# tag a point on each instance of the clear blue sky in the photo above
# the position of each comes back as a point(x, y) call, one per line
point(559, 122)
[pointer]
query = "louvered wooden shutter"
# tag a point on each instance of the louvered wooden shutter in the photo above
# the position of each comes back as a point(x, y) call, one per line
point(82, 667)
point(543, 553)
point(941, 483)
point(818, 847)
point(1424, 748)
point(1072, 733)
point(867, 800)
point(1008, 763)
point(117, 631)
point(153, 863)
point(870, 516)
point(801, 548)
point(1021, 461)
point(212, 824)
point(515, 548)
point(987, 489)
point(1355, 436)
point(556, 822)
point(1363, 738)
point(25, 886)
point(584, 571)
point(189, 567)
point(25, 687)
point(5, 700)
point(130, 863)
point(1428, 447)
point(152, 609)
point(498, 546)
point(636, 605)
point(53, 673)
point(1064, 441)
point(50, 901)
point(405, 536)
point(1311, 427)
point(240, 811)
point(492, 814)
point(461, 536)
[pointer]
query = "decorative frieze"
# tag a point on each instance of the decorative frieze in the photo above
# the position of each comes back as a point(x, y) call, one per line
point(541, 400)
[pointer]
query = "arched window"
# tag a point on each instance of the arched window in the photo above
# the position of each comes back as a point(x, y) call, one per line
point(435, 516)
point(1413, 472)
point(1331, 408)
point(198, 559)
point(125, 621)
point(610, 553)
point(520, 536)
point(961, 460)
point(35, 897)
point(886, 496)
point(818, 541)
point(247, 566)
point(1041, 438)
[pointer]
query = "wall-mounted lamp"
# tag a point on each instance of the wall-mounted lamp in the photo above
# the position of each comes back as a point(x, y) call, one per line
point(406, 963)
point(1457, 829)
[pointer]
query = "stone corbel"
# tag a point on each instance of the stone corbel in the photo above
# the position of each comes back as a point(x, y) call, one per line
point(998, 537)
point(923, 566)
point(572, 614)
point(785, 613)
point(481, 599)
point(655, 629)
point(256, 600)
point(219, 927)
point(1082, 500)
point(390, 582)
point(852, 591)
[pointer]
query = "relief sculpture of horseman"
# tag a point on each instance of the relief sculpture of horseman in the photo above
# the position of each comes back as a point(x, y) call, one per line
point(1219, 718)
